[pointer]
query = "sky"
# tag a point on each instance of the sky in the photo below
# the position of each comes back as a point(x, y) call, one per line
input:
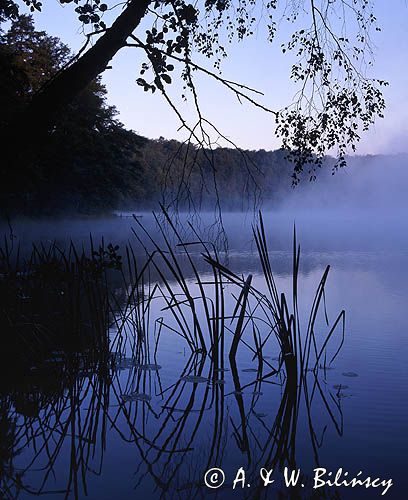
point(257, 64)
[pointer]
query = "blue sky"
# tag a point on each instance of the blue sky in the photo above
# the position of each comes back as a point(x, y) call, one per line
point(260, 65)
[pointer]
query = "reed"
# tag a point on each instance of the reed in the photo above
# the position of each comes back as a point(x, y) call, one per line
point(63, 299)
point(299, 351)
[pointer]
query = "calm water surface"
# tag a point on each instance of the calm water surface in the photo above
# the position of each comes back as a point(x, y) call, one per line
point(154, 428)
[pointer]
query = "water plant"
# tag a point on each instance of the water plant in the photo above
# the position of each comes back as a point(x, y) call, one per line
point(100, 343)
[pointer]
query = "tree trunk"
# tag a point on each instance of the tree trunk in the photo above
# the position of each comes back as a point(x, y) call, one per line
point(61, 90)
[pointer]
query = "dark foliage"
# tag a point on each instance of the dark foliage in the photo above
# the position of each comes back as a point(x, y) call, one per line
point(89, 161)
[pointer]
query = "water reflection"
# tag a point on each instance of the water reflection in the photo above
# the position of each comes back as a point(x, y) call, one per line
point(55, 425)
point(146, 416)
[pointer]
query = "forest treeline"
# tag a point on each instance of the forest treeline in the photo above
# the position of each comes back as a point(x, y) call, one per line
point(91, 163)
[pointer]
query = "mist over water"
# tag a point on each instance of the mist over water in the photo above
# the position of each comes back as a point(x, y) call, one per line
point(367, 183)
point(361, 206)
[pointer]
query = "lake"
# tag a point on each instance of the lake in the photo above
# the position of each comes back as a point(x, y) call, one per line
point(156, 420)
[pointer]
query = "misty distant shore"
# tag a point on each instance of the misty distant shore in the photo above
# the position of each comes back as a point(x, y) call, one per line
point(370, 182)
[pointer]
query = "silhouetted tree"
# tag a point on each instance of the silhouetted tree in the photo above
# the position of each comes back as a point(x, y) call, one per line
point(335, 99)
